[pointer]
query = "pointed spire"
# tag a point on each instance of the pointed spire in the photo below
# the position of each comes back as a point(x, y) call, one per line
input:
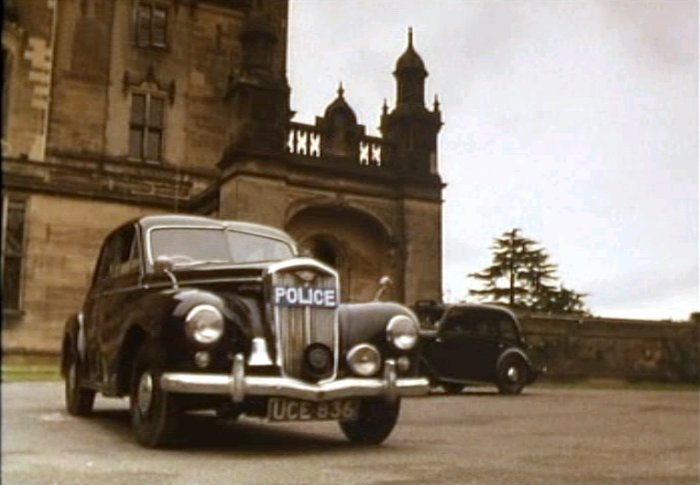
point(436, 104)
point(341, 91)
point(385, 108)
point(410, 58)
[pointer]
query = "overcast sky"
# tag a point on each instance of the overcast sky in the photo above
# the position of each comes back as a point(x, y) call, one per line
point(576, 121)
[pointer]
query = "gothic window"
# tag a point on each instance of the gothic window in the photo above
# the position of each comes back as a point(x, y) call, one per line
point(151, 24)
point(146, 127)
point(13, 231)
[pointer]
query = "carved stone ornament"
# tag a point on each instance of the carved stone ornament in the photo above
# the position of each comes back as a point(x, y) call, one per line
point(149, 82)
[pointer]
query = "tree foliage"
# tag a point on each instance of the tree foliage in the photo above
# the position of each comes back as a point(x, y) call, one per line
point(521, 276)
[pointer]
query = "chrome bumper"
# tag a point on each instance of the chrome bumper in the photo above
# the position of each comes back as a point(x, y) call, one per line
point(238, 385)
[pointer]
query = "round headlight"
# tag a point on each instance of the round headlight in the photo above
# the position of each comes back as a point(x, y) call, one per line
point(402, 332)
point(364, 360)
point(204, 324)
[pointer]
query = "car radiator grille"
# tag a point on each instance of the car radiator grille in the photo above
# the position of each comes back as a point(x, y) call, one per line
point(299, 327)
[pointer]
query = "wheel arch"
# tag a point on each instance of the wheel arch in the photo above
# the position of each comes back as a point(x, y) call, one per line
point(514, 352)
point(69, 343)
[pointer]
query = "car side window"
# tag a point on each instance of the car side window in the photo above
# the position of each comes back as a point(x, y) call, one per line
point(129, 254)
point(106, 257)
point(485, 328)
point(453, 324)
point(120, 255)
point(507, 329)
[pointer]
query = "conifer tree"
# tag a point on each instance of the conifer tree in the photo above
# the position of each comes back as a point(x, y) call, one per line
point(522, 276)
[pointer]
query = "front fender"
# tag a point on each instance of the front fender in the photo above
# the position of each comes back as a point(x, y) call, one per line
point(159, 317)
point(366, 322)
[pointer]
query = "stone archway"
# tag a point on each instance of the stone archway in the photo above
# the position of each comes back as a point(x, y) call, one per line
point(355, 243)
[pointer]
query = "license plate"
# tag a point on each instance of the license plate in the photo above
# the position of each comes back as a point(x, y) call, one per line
point(282, 409)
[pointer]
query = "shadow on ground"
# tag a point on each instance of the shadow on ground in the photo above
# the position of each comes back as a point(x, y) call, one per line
point(206, 433)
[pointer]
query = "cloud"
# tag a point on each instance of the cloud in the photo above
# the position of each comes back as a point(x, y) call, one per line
point(658, 34)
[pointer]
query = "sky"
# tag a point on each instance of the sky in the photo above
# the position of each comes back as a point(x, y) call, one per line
point(573, 120)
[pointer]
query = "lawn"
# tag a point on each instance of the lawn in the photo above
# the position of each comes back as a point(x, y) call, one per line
point(21, 368)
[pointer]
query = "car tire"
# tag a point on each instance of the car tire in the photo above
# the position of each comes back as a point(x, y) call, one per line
point(154, 412)
point(452, 387)
point(512, 375)
point(79, 400)
point(376, 420)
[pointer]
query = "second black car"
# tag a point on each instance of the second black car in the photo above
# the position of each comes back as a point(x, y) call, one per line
point(464, 343)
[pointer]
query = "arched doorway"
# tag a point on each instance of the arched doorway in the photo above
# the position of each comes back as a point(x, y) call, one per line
point(325, 249)
point(352, 241)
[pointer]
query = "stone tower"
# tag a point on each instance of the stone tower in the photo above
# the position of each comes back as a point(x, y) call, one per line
point(368, 206)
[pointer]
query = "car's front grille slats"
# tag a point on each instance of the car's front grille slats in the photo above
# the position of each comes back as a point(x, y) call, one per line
point(299, 327)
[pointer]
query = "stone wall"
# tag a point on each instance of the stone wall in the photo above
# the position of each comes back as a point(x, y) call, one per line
point(575, 348)
point(62, 243)
point(27, 41)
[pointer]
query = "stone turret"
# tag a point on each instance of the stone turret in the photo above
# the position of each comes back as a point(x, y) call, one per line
point(259, 97)
point(410, 130)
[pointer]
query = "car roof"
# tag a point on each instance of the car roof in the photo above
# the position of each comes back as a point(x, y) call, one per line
point(178, 220)
point(476, 306)
point(443, 308)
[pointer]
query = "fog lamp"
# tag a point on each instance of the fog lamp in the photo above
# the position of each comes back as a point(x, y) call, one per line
point(364, 360)
point(318, 359)
point(202, 359)
point(403, 363)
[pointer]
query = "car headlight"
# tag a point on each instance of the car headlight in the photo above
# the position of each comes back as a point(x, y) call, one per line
point(402, 332)
point(204, 324)
point(364, 360)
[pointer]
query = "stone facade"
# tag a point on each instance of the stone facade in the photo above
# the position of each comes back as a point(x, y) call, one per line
point(113, 110)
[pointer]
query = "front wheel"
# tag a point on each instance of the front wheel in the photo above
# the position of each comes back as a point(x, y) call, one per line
point(79, 400)
point(154, 412)
point(512, 376)
point(376, 419)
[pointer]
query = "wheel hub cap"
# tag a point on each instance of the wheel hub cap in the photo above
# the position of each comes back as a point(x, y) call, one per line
point(145, 392)
point(513, 373)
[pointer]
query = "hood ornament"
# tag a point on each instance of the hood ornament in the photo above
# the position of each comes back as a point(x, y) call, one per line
point(305, 275)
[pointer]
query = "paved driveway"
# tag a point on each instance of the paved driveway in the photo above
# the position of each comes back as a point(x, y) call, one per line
point(546, 436)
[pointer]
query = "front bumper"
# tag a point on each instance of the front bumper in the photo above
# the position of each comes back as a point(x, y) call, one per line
point(239, 386)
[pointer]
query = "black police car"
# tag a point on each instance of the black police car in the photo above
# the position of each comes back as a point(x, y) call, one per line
point(189, 312)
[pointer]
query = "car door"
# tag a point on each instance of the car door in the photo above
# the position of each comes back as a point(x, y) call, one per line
point(483, 344)
point(117, 273)
point(120, 287)
point(446, 353)
point(93, 307)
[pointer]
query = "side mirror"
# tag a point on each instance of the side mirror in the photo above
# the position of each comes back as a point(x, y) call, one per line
point(163, 264)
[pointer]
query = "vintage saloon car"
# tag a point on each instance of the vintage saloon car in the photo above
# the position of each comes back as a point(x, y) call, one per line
point(464, 343)
point(188, 313)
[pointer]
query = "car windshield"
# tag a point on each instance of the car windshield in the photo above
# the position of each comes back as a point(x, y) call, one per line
point(194, 246)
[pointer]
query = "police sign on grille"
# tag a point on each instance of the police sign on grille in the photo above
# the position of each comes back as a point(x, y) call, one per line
point(304, 296)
